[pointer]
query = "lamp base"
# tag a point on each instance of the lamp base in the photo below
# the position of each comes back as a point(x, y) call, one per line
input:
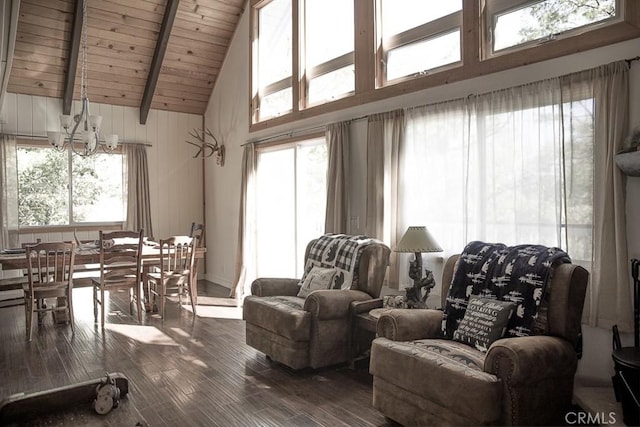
point(417, 294)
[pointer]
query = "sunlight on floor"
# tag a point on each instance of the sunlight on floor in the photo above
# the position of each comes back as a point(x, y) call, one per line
point(217, 312)
point(143, 334)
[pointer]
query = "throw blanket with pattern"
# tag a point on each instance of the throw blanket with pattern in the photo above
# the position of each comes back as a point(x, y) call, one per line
point(340, 252)
point(518, 274)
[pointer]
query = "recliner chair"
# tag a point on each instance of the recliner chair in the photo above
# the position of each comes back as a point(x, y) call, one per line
point(420, 378)
point(312, 331)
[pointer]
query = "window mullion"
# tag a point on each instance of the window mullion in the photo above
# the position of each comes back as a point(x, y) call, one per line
point(70, 184)
point(298, 90)
point(364, 56)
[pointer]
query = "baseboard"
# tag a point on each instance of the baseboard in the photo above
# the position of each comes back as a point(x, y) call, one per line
point(217, 280)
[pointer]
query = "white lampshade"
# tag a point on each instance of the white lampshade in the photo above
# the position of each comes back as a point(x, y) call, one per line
point(111, 141)
point(55, 138)
point(95, 122)
point(66, 121)
point(418, 239)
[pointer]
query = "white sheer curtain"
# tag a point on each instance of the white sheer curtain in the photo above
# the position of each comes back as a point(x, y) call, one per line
point(245, 253)
point(517, 166)
point(9, 230)
point(505, 170)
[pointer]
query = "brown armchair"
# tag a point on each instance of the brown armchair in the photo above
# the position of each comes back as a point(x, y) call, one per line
point(312, 331)
point(419, 378)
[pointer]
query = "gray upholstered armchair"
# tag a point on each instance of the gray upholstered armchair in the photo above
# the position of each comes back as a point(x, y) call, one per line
point(313, 331)
point(421, 379)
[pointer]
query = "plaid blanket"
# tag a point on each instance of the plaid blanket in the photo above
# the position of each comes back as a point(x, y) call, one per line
point(518, 274)
point(340, 252)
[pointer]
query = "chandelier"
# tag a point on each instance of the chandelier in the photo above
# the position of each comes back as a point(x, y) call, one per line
point(82, 131)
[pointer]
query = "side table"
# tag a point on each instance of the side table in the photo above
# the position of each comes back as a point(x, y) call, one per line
point(364, 320)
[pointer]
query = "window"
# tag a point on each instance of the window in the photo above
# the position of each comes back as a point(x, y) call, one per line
point(65, 189)
point(291, 199)
point(412, 44)
point(516, 24)
point(328, 46)
point(272, 64)
point(311, 57)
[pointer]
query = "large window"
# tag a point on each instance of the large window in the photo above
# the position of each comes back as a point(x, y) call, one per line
point(291, 198)
point(521, 23)
point(413, 43)
point(65, 189)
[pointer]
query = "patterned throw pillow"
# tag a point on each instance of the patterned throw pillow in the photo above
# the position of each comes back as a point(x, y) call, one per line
point(317, 278)
point(484, 321)
point(394, 301)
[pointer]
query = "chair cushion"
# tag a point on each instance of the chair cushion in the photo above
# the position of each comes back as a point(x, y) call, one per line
point(484, 321)
point(282, 315)
point(441, 371)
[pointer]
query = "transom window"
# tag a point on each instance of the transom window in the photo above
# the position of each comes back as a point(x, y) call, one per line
point(521, 23)
point(328, 41)
point(417, 36)
point(65, 189)
point(273, 60)
point(311, 57)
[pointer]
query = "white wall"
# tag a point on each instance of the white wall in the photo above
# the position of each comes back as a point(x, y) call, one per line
point(176, 182)
point(228, 115)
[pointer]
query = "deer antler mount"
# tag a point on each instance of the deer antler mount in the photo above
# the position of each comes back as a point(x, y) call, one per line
point(207, 149)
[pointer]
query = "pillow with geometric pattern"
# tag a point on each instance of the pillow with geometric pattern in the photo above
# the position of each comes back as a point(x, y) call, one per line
point(484, 321)
point(318, 278)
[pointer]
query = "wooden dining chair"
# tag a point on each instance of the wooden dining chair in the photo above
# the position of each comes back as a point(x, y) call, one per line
point(120, 269)
point(177, 262)
point(50, 275)
point(197, 230)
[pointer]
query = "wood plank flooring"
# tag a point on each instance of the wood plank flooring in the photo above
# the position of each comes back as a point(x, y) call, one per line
point(183, 370)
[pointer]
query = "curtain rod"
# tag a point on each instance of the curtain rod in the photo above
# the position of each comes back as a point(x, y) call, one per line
point(293, 133)
point(25, 136)
point(630, 60)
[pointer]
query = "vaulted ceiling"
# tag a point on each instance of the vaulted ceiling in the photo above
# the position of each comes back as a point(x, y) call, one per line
point(123, 38)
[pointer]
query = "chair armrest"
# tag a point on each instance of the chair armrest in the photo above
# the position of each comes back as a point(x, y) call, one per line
point(358, 307)
point(328, 304)
point(410, 324)
point(268, 286)
point(526, 360)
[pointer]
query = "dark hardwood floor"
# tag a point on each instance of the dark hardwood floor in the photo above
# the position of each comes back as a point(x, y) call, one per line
point(182, 371)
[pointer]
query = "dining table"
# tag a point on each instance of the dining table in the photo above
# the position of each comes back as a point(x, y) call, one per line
point(87, 265)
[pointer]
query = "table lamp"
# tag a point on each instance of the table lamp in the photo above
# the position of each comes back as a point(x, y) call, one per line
point(417, 239)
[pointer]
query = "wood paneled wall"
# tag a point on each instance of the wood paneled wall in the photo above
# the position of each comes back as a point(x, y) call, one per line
point(176, 178)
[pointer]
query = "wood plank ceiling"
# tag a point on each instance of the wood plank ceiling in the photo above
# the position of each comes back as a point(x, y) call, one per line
point(121, 40)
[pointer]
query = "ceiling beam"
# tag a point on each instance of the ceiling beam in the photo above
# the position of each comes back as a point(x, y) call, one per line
point(158, 57)
point(72, 66)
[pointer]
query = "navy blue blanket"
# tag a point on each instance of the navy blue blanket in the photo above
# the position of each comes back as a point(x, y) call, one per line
point(493, 270)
